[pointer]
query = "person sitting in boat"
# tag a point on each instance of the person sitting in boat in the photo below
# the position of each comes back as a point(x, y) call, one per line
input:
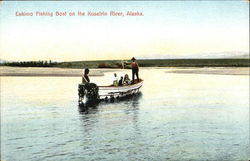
point(115, 80)
point(85, 77)
point(120, 81)
point(126, 80)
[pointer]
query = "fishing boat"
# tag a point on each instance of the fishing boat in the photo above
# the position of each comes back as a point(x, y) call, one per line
point(92, 92)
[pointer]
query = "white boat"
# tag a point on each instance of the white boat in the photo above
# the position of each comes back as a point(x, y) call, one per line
point(106, 92)
point(92, 92)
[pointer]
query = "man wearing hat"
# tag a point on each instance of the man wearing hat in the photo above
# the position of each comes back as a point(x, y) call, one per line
point(135, 69)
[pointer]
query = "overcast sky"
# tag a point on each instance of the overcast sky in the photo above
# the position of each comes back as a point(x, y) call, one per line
point(167, 28)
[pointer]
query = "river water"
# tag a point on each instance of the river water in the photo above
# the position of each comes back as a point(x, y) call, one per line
point(176, 117)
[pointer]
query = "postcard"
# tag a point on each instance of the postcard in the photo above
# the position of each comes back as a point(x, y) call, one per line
point(124, 80)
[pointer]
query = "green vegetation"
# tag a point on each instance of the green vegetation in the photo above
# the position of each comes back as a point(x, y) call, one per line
point(30, 64)
point(91, 64)
point(195, 63)
point(142, 63)
point(160, 63)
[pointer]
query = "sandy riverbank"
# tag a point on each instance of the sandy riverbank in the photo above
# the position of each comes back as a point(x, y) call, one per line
point(212, 70)
point(68, 72)
point(37, 71)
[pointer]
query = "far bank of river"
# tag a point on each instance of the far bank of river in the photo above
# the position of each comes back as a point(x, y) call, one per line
point(69, 72)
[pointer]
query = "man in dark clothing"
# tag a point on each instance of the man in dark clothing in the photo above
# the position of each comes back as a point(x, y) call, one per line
point(135, 69)
point(120, 82)
point(85, 78)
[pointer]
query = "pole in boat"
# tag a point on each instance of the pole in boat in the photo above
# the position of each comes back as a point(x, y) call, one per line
point(122, 64)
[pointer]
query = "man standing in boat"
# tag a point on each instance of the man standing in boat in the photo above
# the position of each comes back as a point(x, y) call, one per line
point(135, 70)
point(85, 77)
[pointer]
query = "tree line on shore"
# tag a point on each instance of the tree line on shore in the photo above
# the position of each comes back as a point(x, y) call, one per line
point(142, 63)
point(40, 63)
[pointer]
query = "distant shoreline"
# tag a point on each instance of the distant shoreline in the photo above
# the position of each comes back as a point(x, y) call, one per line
point(118, 64)
point(69, 72)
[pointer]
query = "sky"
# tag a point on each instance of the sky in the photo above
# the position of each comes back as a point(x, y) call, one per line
point(176, 28)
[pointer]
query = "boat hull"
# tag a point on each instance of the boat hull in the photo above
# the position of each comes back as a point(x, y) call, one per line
point(106, 92)
point(92, 92)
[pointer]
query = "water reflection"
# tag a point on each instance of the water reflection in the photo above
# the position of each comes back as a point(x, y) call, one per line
point(91, 107)
point(134, 112)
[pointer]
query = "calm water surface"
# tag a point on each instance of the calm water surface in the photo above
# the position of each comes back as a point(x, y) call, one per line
point(177, 117)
